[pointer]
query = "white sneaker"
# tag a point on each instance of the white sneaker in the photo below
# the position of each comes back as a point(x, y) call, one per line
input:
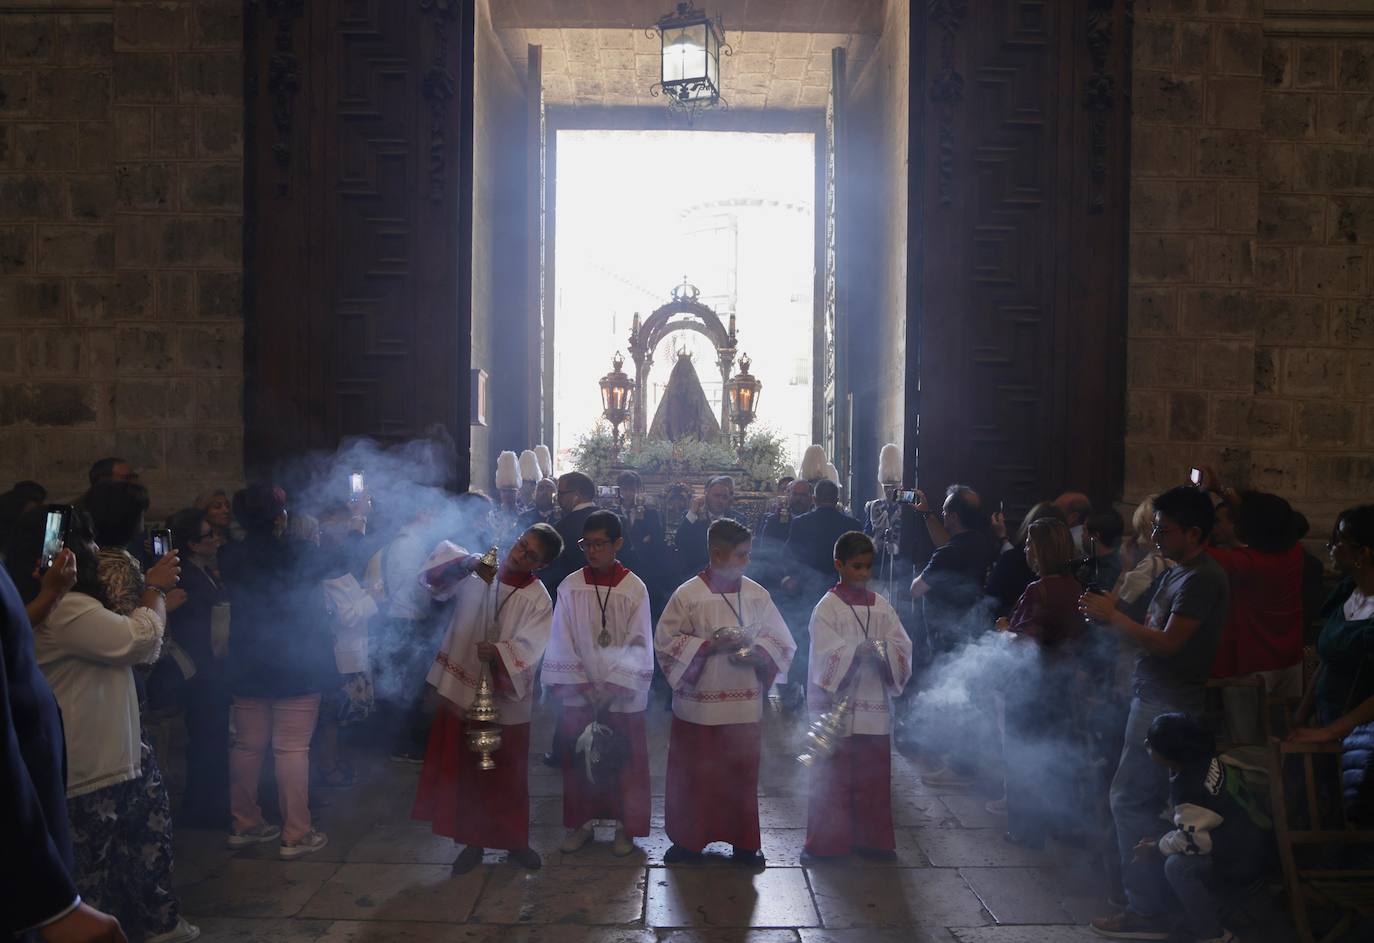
point(576, 839)
point(183, 932)
point(311, 842)
point(254, 836)
point(623, 844)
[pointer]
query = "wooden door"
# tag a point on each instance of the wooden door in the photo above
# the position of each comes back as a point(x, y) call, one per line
point(359, 128)
point(1018, 254)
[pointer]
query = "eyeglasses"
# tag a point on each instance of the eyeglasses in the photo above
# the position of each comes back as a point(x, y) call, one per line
point(596, 546)
point(1163, 528)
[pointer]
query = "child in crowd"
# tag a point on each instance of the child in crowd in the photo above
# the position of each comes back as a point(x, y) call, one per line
point(859, 651)
point(1220, 838)
point(501, 620)
point(721, 643)
point(599, 663)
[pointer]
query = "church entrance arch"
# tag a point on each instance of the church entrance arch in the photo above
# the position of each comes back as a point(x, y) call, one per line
point(684, 313)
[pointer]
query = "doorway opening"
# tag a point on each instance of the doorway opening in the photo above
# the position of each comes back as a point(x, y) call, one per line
point(732, 214)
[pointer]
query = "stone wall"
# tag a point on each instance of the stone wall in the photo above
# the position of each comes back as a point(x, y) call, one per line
point(1251, 337)
point(121, 202)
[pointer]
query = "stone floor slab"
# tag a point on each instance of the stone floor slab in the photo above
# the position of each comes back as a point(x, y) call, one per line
point(198, 854)
point(971, 812)
point(926, 897)
point(876, 935)
point(976, 848)
point(246, 930)
point(252, 888)
point(562, 895)
point(720, 897)
point(409, 892)
point(1021, 895)
point(920, 811)
point(377, 931)
point(728, 936)
point(1025, 935)
point(402, 844)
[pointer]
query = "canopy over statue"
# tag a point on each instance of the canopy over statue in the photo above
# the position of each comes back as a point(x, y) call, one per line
point(684, 412)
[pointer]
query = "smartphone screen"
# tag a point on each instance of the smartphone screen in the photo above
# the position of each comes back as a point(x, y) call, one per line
point(355, 483)
point(1195, 476)
point(904, 497)
point(54, 536)
point(162, 543)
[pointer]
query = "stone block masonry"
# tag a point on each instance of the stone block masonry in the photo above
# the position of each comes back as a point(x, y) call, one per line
point(121, 217)
point(1252, 251)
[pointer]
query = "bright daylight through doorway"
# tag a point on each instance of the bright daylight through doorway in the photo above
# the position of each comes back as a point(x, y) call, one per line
point(733, 213)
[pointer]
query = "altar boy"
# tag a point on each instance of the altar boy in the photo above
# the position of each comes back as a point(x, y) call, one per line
point(486, 808)
point(859, 650)
point(719, 680)
point(599, 664)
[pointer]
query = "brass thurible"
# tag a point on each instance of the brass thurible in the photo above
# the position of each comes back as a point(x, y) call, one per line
point(483, 733)
point(825, 732)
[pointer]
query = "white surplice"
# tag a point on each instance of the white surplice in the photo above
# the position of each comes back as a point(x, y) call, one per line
point(576, 657)
point(837, 631)
point(725, 692)
point(352, 607)
point(523, 618)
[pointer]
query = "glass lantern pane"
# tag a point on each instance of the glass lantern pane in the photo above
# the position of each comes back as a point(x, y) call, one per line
point(681, 52)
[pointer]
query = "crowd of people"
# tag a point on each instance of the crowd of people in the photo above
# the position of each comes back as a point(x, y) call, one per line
point(1079, 644)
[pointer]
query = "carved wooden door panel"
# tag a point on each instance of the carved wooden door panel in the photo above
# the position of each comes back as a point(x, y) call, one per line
point(1021, 200)
point(359, 222)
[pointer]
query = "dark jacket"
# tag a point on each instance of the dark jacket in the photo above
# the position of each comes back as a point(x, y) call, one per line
point(1214, 813)
point(645, 549)
point(279, 640)
point(811, 543)
point(189, 626)
point(1357, 775)
point(572, 558)
point(37, 865)
point(534, 516)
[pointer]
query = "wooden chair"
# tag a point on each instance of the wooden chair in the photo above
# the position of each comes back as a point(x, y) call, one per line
point(1351, 892)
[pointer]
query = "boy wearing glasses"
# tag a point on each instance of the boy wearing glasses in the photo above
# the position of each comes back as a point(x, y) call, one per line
point(500, 620)
point(721, 643)
point(599, 665)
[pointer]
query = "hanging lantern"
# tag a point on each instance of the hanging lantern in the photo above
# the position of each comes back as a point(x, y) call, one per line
point(743, 393)
point(691, 49)
point(615, 396)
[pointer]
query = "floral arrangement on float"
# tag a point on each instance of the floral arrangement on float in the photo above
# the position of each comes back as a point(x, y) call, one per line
point(757, 464)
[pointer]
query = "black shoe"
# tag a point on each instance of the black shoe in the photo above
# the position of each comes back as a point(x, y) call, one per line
point(749, 859)
point(876, 854)
point(679, 855)
point(469, 858)
point(552, 761)
point(527, 858)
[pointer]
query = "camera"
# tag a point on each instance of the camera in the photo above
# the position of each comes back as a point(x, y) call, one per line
point(55, 528)
point(162, 543)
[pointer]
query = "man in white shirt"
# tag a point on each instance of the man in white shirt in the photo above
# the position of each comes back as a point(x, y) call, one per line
point(599, 665)
point(721, 643)
point(500, 623)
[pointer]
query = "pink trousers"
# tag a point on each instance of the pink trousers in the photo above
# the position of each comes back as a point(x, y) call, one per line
point(288, 723)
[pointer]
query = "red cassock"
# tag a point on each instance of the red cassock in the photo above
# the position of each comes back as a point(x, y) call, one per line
point(713, 785)
point(624, 798)
point(851, 798)
point(487, 808)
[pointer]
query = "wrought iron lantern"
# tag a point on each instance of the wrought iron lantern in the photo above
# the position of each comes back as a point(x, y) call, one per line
point(691, 47)
point(615, 396)
point(743, 393)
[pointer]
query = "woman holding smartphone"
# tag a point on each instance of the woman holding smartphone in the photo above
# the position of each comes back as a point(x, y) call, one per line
point(116, 800)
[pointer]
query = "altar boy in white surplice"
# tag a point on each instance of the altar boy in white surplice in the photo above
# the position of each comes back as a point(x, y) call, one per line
point(859, 650)
point(720, 642)
point(599, 664)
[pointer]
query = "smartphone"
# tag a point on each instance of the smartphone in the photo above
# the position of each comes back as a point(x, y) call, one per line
point(608, 491)
point(55, 528)
point(907, 496)
point(355, 484)
point(162, 543)
point(1195, 476)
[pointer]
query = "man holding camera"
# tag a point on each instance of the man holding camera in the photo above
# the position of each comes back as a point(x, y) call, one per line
point(706, 509)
